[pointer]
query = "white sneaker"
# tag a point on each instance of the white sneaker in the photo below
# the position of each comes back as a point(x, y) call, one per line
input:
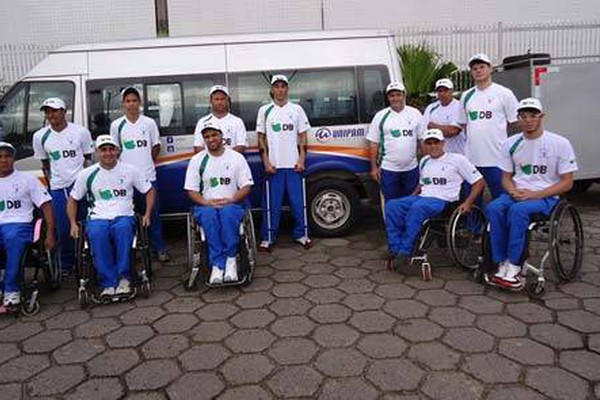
point(109, 291)
point(512, 273)
point(265, 246)
point(502, 269)
point(231, 270)
point(216, 276)
point(304, 241)
point(11, 299)
point(123, 287)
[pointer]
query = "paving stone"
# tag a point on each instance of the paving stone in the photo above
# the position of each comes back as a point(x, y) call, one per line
point(418, 330)
point(324, 296)
point(46, 341)
point(579, 320)
point(501, 326)
point(321, 281)
point(395, 291)
point(436, 297)
point(21, 368)
point(175, 323)
point(565, 303)
point(204, 357)
point(593, 343)
point(253, 318)
point(452, 317)
point(246, 368)
point(354, 286)
point(507, 296)
point(113, 362)
point(289, 290)
point(404, 309)
point(292, 326)
point(216, 312)
point(464, 287)
point(198, 385)
point(142, 316)
point(221, 296)
point(481, 304)
point(394, 374)
point(20, 331)
point(129, 336)
point(104, 389)
point(153, 374)
point(11, 391)
point(583, 363)
point(330, 313)
point(211, 331)
point(341, 362)
point(529, 313)
point(556, 336)
point(434, 355)
point(295, 381)
point(79, 350)
point(164, 346)
point(8, 351)
point(56, 380)
point(254, 300)
point(346, 261)
point(318, 267)
point(580, 290)
point(288, 276)
point(491, 368)
point(335, 335)
point(351, 273)
point(259, 284)
point(287, 307)
point(184, 304)
point(526, 351)
point(347, 389)
point(417, 282)
point(514, 393)
point(469, 340)
point(67, 320)
point(292, 351)
point(371, 321)
point(249, 341)
point(382, 345)
point(113, 311)
point(592, 305)
point(96, 327)
point(363, 302)
point(452, 386)
point(557, 383)
point(245, 392)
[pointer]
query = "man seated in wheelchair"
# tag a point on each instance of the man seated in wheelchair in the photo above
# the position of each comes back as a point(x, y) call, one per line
point(19, 194)
point(110, 226)
point(537, 167)
point(441, 176)
point(218, 180)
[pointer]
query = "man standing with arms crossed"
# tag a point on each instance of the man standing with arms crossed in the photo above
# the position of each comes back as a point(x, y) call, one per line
point(139, 140)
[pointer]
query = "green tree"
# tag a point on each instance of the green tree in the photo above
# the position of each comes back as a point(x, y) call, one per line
point(421, 66)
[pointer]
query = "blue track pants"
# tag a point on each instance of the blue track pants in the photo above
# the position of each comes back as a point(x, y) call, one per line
point(398, 184)
point(14, 239)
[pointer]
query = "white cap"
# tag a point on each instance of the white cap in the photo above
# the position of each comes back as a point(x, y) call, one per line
point(444, 82)
point(7, 146)
point(481, 58)
point(218, 88)
point(530, 103)
point(279, 78)
point(102, 140)
point(433, 134)
point(54, 103)
point(211, 124)
point(395, 86)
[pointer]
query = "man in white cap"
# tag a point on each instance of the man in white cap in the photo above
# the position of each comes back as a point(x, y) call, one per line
point(445, 115)
point(64, 149)
point(218, 180)
point(139, 139)
point(234, 130)
point(490, 110)
point(110, 228)
point(441, 177)
point(393, 136)
point(537, 166)
point(282, 127)
point(19, 194)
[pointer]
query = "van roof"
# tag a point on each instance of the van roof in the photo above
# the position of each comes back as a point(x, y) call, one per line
point(223, 39)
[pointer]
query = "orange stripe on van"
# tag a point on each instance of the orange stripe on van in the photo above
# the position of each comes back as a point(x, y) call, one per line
point(355, 151)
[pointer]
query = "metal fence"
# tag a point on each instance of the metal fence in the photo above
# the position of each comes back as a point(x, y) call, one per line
point(17, 59)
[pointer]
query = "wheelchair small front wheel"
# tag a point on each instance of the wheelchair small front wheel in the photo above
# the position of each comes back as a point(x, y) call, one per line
point(29, 309)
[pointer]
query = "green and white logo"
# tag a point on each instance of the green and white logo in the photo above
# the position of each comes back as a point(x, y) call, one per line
point(129, 144)
point(106, 194)
point(55, 155)
point(426, 181)
point(214, 182)
point(276, 126)
point(2, 205)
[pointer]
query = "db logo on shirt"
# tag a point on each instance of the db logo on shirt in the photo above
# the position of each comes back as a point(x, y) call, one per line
point(277, 127)
point(10, 204)
point(215, 181)
point(475, 115)
point(530, 169)
point(132, 144)
point(56, 155)
point(110, 193)
point(401, 132)
point(434, 181)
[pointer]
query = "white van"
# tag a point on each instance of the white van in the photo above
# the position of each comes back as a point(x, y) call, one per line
point(338, 77)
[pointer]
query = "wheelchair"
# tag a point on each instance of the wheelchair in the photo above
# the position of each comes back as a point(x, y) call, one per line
point(42, 262)
point(198, 254)
point(459, 232)
point(560, 238)
point(87, 277)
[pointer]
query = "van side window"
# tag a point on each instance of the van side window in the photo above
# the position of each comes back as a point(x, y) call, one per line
point(105, 105)
point(196, 102)
point(40, 91)
point(372, 81)
point(249, 91)
point(163, 104)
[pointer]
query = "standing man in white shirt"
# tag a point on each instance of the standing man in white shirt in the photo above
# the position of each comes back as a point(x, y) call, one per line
point(234, 130)
point(537, 166)
point(19, 193)
point(65, 149)
point(218, 180)
point(139, 140)
point(282, 127)
point(393, 136)
point(445, 115)
point(490, 110)
point(110, 227)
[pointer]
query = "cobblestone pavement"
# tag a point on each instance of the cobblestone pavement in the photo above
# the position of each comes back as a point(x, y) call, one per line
point(327, 323)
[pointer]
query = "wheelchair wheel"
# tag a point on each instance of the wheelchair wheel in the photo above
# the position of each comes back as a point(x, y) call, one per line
point(142, 255)
point(247, 249)
point(51, 269)
point(566, 241)
point(197, 257)
point(464, 236)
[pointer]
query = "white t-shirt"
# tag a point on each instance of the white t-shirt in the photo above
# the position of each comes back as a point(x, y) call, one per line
point(234, 131)
point(537, 163)
point(110, 191)
point(486, 114)
point(65, 150)
point(282, 126)
point(136, 141)
point(442, 177)
point(222, 176)
point(400, 132)
point(449, 114)
point(19, 193)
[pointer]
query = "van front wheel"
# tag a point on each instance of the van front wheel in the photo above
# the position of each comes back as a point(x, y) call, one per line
point(332, 207)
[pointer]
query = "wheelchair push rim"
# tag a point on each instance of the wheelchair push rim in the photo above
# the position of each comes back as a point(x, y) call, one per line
point(566, 241)
point(465, 235)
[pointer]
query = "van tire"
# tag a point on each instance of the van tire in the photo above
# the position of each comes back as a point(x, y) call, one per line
point(332, 207)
